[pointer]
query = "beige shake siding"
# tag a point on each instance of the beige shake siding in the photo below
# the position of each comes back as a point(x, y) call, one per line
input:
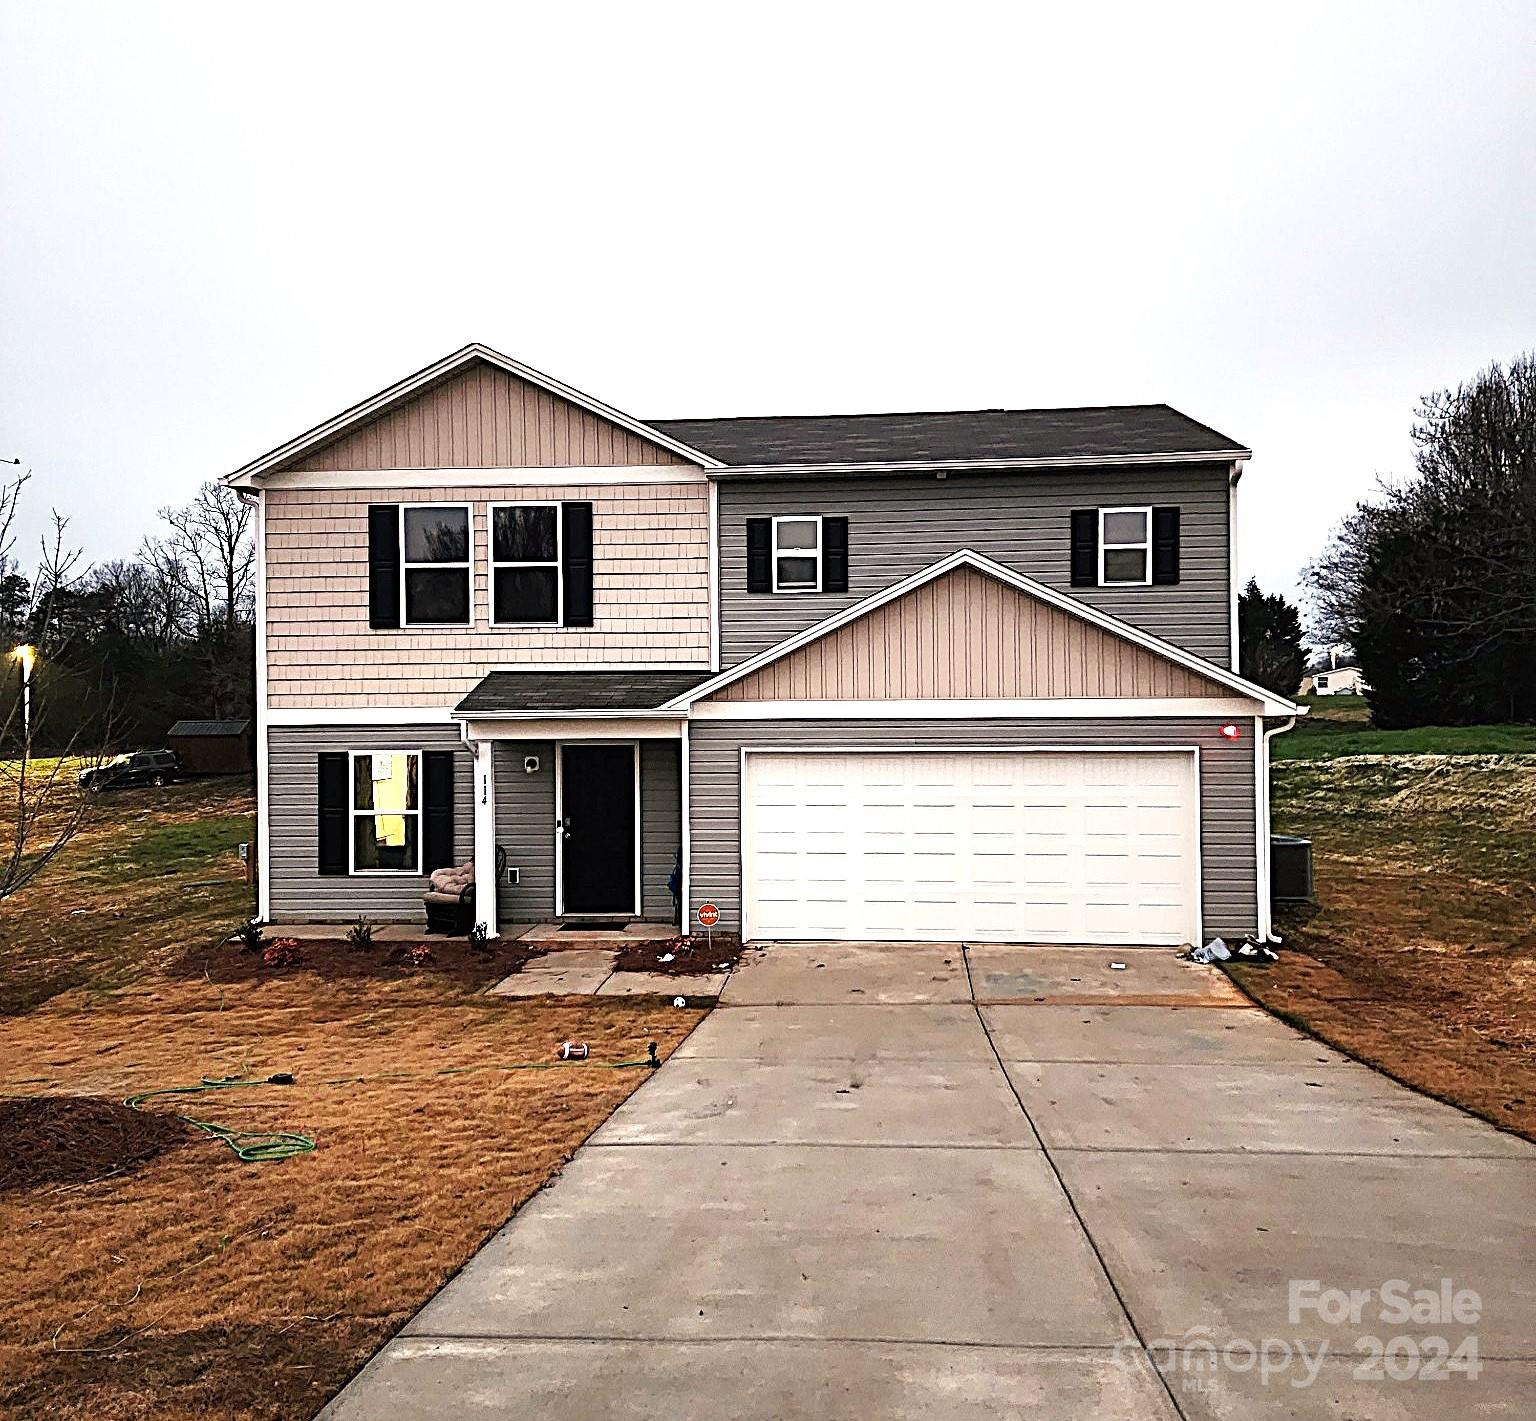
point(650, 589)
point(968, 636)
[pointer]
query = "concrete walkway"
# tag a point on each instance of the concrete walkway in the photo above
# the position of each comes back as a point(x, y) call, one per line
point(942, 1182)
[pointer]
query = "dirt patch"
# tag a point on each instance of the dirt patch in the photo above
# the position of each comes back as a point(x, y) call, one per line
point(71, 1139)
point(333, 959)
point(687, 957)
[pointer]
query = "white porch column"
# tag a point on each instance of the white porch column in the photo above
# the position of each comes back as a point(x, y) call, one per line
point(485, 834)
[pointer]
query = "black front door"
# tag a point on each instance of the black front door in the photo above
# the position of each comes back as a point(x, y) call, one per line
point(597, 828)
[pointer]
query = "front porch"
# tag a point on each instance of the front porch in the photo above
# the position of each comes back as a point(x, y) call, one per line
point(587, 814)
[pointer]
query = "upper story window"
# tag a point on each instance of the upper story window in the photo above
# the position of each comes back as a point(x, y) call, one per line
point(1125, 547)
point(797, 554)
point(526, 581)
point(386, 811)
point(435, 564)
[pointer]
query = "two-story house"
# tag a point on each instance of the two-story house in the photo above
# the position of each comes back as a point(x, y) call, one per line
point(945, 676)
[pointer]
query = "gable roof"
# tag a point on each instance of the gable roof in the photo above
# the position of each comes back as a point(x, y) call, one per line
point(1271, 703)
point(509, 694)
point(1085, 434)
point(248, 475)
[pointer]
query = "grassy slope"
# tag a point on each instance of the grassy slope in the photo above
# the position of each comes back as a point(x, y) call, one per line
point(151, 874)
point(1421, 954)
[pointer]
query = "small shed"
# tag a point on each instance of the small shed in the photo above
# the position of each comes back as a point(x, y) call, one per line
point(213, 747)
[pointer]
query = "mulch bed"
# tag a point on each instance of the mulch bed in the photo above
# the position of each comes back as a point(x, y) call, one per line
point(72, 1139)
point(690, 956)
point(335, 959)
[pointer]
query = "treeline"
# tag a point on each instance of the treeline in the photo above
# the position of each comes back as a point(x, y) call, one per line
point(126, 648)
point(1433, 582)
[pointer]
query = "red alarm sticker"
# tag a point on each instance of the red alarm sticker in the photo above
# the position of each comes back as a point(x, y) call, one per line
point(709, 915)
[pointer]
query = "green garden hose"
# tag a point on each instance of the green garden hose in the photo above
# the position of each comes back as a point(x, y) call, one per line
point(254, 1147)
point(250, 1147)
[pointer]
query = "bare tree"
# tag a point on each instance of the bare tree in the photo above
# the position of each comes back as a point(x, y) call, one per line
point(48, 806)
point(212, 553)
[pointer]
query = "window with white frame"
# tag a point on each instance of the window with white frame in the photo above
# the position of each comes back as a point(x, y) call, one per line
point(525, 564)
point(1125, 547)
point(435, 565)
point(797, 554)
point(386, 811)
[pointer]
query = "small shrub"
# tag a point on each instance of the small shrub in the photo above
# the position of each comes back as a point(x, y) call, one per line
point(360, 934)
point(420, 956)
point(250, 935)
point(479, 938)
point(283, 952)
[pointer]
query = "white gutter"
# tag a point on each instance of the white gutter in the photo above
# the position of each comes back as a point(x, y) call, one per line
point(920, 466)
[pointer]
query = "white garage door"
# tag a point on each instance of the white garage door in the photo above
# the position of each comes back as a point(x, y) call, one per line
point(1016, 846)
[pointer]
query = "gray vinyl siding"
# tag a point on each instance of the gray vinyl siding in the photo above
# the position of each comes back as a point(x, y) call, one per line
point(661, 823)
point(901, 523)
point(299, 892)
point(1227, 838)
point(525, 827)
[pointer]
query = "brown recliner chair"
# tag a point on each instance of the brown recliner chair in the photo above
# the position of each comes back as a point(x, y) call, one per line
point(450, 896)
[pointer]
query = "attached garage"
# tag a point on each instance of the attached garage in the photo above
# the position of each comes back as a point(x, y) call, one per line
point(1001, 844)
point(972, 756)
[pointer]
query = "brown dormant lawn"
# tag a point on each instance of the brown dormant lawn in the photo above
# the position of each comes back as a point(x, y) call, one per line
point(193, 1285)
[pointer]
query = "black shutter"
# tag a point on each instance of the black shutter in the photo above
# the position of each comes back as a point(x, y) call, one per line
point(834, 554)
point(335, 797)
point(383, 566)
point(437, 809)
point(576, 562)
point(1165, 546)
point(759, 555)
point(1085, 547)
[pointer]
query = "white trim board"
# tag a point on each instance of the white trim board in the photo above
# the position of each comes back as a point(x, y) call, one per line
point(1103, 708)
point(376, 404)
point(263, 720)
point(361, 715)
point(966, 557)
point(485, 476)
point(591, 728)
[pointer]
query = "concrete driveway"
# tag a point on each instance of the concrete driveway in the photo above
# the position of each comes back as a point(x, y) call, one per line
point(944, 1182)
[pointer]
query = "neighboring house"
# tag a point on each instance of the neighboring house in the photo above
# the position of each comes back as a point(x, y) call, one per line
point(926, 676)
point(1340, 681)
point(212, 747)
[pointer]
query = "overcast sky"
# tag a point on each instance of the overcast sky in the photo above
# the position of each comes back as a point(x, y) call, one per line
point(223, 223)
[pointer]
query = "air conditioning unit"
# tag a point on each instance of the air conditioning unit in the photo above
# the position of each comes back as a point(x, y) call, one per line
point(1290, 869)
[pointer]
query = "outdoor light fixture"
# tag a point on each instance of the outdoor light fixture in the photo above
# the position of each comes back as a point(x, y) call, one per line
point(24, 655)
point(1231, 732)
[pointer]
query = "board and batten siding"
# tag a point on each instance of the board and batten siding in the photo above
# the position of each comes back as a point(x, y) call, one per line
point(525, 827)
point(1227, 812)
point(968, 635)
point(898, 524)
point(650, 593)
point(300, 893)
point(486, 417)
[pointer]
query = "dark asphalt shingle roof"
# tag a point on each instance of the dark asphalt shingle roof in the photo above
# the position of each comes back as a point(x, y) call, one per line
point(209, 727)
point(1086, 432)
point(556, 691)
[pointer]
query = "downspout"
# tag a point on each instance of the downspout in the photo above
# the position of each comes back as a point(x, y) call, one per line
point(1268, 934)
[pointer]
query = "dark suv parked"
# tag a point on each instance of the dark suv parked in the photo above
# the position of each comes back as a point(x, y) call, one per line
point(142, 767)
